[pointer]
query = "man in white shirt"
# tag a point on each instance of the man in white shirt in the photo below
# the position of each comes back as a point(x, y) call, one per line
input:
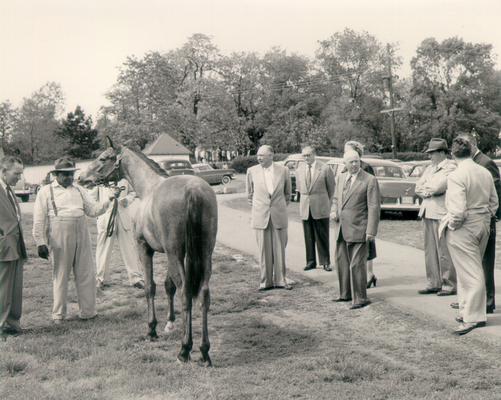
point(268, 192)
point(116, 225)
point(59, 223)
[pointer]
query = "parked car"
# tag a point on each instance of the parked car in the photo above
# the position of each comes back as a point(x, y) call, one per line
point(213, 176)
point(177, 167)
point(417, 169)
point(397, 191)
point(22, 189)
point(292, 162)
point(498, 163)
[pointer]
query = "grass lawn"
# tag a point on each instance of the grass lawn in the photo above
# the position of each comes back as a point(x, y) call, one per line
point(269, 345)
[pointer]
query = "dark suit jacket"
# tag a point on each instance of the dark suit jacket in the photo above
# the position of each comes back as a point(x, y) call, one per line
point(486, 162)
point(358, 213)
point(12, 245)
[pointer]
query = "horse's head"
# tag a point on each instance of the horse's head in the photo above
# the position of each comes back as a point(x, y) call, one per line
point(103, 169)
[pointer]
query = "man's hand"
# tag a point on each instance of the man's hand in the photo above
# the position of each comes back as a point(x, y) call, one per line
point(370, 237)
point(43, 251)
point(334, 216)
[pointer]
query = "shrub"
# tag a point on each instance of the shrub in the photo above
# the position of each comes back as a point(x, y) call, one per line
point(407, 156)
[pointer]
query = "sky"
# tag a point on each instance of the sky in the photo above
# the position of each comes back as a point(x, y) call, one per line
point(81, 44)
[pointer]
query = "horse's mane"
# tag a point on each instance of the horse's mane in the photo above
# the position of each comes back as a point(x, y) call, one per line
point(153, 164)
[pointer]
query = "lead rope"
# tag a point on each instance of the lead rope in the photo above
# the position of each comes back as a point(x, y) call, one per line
point(111, 222)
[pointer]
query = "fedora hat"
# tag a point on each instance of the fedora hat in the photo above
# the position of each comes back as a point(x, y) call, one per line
point(437, 144)
point(64, 164)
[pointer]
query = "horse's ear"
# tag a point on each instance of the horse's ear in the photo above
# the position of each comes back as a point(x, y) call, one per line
point(108, 142)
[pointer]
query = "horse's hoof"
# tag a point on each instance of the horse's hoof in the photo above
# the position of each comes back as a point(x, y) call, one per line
point(184, 358)
point(207, 363)
point(169, 327)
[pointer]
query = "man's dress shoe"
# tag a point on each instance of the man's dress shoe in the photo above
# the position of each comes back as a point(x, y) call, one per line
point(310, 267)
point(455, 306)
point(286, 287)
point(340, 300)
point(327, 268)
point(467, 327)
point(428, 291)
point(446, 293)
point(361, 305)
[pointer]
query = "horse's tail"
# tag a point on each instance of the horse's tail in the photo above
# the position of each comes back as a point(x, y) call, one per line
point(195, 241)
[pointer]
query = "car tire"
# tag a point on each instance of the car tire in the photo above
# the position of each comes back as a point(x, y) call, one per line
point(226, 179)
point(410, 214)
point(25, 198)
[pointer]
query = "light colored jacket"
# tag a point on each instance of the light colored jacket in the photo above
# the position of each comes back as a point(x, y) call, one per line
point(318, 198)
point(357, 214)
point(123, 213)
point(470, 191)
point(264, 205)
point(431, 188)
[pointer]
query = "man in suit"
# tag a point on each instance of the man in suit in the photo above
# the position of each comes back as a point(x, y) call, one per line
point(116, 225)
point(371, 244)
point(315, 182)
point(12, 248)
point(471, 201)
point(268, 192)
point(431, 187)
point(355, 209)
point(489, 259)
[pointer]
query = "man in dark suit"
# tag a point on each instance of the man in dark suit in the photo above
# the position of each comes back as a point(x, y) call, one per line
point(315, 182)
point(355, 209)
point(12, 248)
point(489, 259)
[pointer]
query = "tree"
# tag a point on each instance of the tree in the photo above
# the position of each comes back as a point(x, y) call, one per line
point(33, 136)
point(81, 139)
point(8, 116)
point(452, 91)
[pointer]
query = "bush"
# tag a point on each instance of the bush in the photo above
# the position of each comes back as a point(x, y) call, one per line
point(240, 164)
point(407, 156)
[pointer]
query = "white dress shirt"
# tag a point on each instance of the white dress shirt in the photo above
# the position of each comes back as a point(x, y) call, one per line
point(71, 202)
point(268, 178)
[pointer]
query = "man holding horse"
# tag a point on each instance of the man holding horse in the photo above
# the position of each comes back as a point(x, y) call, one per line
point(268, 192)
point(59, 223)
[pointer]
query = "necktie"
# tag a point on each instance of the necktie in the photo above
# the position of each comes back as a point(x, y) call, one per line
point(347, 186)
point(10, 195)
point(308, 177)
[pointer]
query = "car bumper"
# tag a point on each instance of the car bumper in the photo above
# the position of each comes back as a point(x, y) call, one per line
point(400, 207)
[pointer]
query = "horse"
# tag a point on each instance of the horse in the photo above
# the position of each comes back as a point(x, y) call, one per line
point(177, 215)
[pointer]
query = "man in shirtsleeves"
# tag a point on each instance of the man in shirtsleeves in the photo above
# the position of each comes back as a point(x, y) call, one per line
point(59, 224)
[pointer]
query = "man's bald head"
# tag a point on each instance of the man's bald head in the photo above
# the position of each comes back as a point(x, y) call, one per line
point(265, 155)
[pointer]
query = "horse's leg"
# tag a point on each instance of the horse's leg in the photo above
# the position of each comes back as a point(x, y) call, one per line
point(187, 342)
point(170, 289)
point(146, 257)
point(205, 304)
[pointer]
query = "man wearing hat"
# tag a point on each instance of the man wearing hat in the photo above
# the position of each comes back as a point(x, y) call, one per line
point(59, 224)
point(431, 187)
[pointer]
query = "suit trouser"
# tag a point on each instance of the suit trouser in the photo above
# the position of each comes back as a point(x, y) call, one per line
point(271, 243)
point(69, 240)
point(440, 272)
point(128, 252)
point(488, 263)
point(316, 231)
point(352, 270)
point(466, 247)
point(11, 293)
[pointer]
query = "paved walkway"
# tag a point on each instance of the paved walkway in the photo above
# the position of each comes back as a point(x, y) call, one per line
point(400, 269)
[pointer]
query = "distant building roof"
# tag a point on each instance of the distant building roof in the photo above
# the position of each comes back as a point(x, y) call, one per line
point(165, 145)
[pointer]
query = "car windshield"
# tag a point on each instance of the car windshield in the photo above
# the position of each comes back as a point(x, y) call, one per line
point(387, 171)
point(176, 165)
point(417, 171)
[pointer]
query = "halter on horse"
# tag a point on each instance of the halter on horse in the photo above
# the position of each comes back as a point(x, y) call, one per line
point(176, 216)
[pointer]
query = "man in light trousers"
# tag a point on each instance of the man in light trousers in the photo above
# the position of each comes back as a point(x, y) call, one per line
point(471, 201)
point(116, 225)
point(431, 187)
point(59, 224)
